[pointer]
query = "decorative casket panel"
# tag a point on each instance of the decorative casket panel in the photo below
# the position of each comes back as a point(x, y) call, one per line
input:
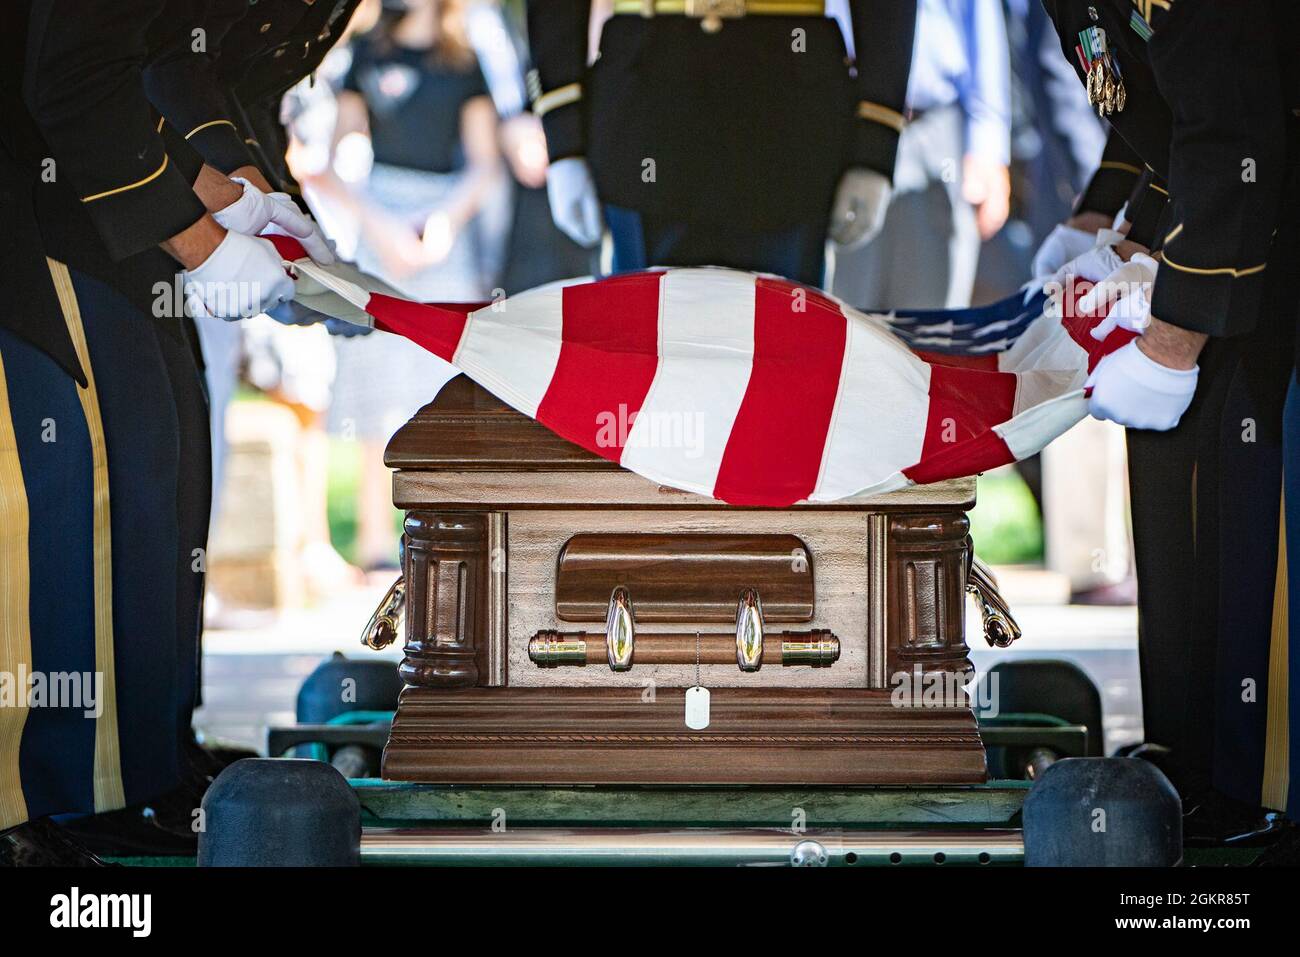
point(558, 607)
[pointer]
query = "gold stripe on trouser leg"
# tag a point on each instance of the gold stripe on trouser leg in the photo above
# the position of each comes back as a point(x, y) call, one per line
point(1277, 738)
point(15, 614)
point(109, 795)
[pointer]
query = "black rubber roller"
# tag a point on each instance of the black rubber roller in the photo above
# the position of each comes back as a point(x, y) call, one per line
point(1103, 812)
point(264, 812)
point(342, 684)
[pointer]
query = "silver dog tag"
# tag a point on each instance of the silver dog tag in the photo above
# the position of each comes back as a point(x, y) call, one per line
point(697, 708)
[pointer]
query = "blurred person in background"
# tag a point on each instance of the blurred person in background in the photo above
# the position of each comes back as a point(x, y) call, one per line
point(951, 181)
point(535, 251)
point(1079, 482)
point(428, 215)
point(1056, 143)
point(724, 135)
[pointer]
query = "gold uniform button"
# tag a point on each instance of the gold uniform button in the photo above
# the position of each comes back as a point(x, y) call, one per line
point(264, 27)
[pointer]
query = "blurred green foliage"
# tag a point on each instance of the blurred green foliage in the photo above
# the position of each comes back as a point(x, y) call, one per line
point(341, 503)
point(1005, 523)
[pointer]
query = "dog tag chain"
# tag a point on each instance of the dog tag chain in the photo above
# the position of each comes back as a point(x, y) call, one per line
point(697, 698)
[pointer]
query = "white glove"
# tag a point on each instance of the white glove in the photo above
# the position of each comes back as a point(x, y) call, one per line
point(574, 204)
point(1096, 263)
point(858, 212)
point(1062, 244)
point(1126, 295)
point(1131, 388)
point(242, 277)
point(256, 212)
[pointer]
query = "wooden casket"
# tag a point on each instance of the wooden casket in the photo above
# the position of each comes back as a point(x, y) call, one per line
point(559, 607)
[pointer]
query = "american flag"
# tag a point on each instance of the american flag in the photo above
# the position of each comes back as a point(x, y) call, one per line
point(754, 390)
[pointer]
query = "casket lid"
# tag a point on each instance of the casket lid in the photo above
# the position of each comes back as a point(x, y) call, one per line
point(466, 428)
point(467, 447)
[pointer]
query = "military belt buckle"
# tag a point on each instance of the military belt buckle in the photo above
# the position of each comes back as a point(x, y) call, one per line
point(711, 13)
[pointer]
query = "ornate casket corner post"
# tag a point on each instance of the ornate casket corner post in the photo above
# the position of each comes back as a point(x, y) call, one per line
point(927, 560)
point(446, 565)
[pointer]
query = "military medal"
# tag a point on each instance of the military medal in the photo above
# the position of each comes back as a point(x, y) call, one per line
point(1102, 76)
point(1139, 25)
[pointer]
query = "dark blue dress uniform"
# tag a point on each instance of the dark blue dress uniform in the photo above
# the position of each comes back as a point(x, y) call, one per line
point(1204, 150)
point(748, 129)
point(109, 111)
point(98, 516)
point(265, 52)
point(223, 98)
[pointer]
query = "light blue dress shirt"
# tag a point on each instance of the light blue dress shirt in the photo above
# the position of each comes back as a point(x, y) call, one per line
point(960, 57)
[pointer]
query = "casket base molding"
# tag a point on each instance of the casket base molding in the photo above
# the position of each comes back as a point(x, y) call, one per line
point(559, 736)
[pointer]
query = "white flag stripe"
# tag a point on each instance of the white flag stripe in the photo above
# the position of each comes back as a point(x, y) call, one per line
point(1043, 345)
point(512, 346)
point(1028, 432)
point(1036, 386)
point(706, 352)
point(878, 426)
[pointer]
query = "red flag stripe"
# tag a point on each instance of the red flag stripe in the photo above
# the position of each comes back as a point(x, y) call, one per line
point(438, 328)
point(987, 451)
point(965, 404)
point(608, 356)
point(1079, 326)
point(774, 451)
point(288, 247)
point(985, 363)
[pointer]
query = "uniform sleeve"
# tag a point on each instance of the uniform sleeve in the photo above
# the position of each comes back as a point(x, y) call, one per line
point(82, 86)
point(181, 81)
point(1146, 209)
point(1214, 63)
point(1116, 176)
point(557, 37)
point(882, 41)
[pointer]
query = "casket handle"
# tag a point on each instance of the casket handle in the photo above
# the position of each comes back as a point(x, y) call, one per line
point(749, 631)
point(750, 644)
point(386, 624)
point(817, 648)
point(620, 630)
point(1000, 628)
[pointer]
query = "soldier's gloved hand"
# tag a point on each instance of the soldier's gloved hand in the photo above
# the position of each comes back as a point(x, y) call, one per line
point(571, 190)
point(256, 212)
point(1125, 295)
point(1062, 244)
point(1095, 263)
point(242, 277)
point(1131, 388)
point(858, 212)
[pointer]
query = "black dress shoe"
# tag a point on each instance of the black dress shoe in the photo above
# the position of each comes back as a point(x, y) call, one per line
point(41, 843)
point(1211, 819)
point(163, 827)
point(1284, 851)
